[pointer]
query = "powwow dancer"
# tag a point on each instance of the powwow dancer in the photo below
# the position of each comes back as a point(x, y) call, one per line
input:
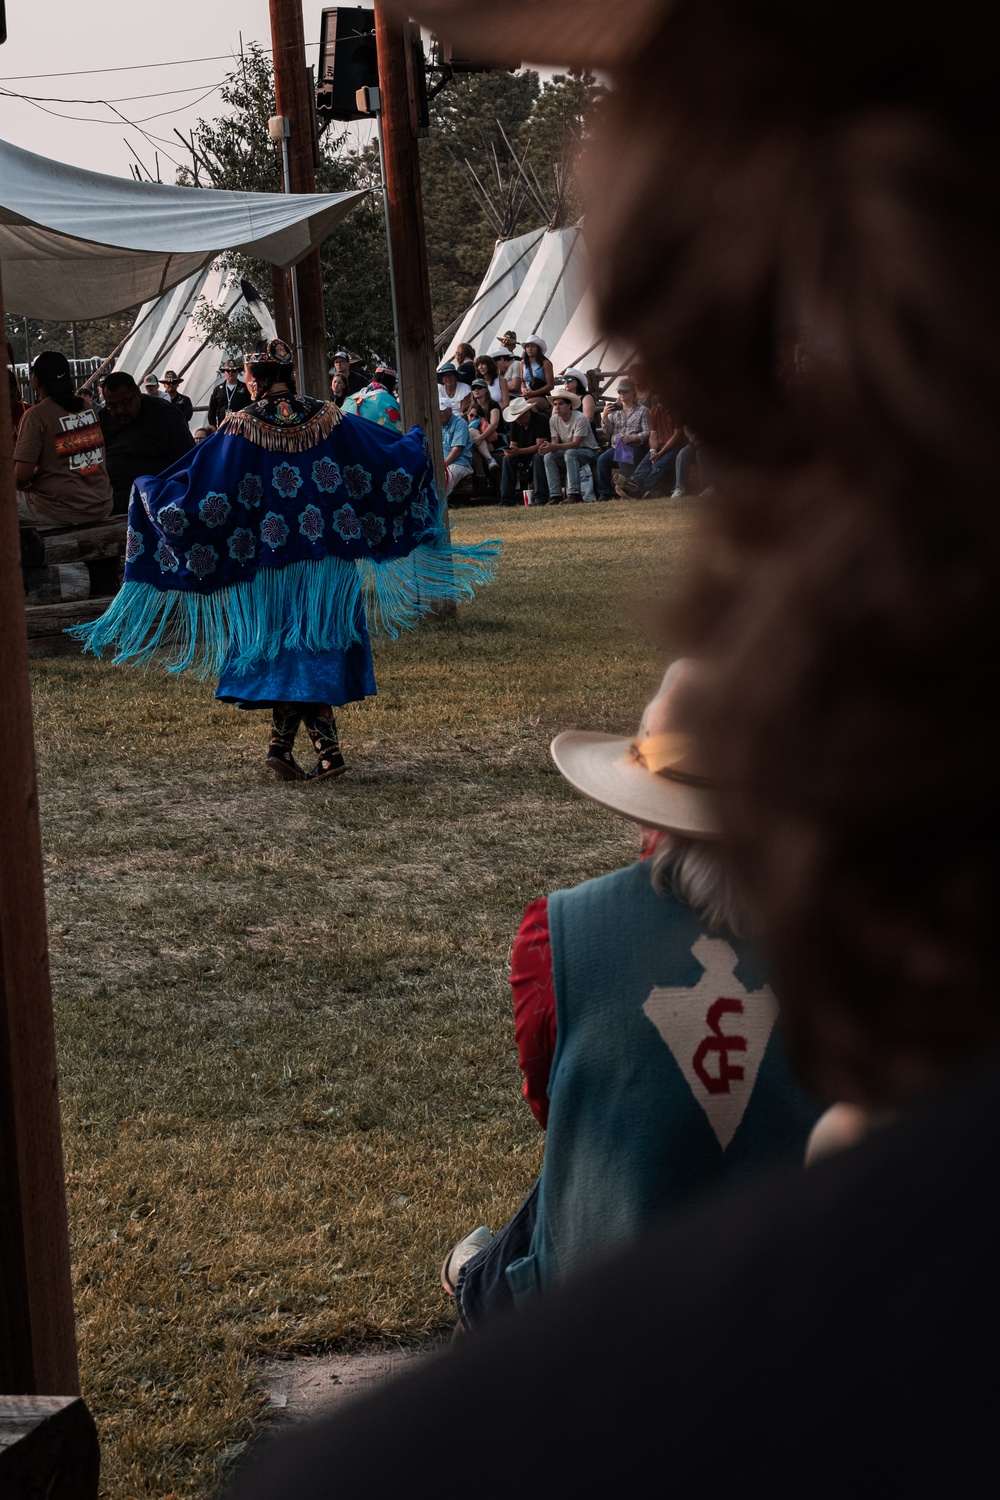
point(254, 556)
point(378, 401)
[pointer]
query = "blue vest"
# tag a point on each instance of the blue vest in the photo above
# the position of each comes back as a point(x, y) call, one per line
point(668, 1076)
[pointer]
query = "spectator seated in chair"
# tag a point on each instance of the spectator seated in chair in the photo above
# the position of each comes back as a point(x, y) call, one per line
point(691, 456)
point(626, 427)
point(522, 467)
point(651, 1088)
point(451, 389)
point(377, 402)
point(60, 466)
point(457, 445)
point(483, 416)
point(655, 474)
point(142, 435)
point(568, 447)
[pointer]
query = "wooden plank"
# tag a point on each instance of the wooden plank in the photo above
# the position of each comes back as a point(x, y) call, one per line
point(54, 584)
point(85, 543)
point(50, 619)
point(37, 1334)
point(48, 1449)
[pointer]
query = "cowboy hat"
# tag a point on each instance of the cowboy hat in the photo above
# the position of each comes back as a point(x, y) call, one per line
point(538, 341)
point(560, 393)
point(172, 375)
point(652, 780)
point(230, 364)
point(517, 408)
point(571, 370)
point(448, 368)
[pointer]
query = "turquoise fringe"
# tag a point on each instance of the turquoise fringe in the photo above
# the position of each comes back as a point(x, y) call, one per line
point(311, 606)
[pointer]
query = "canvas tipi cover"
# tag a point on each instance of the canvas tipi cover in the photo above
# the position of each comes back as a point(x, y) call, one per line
point(497, 291)
point(551, 291)
point(165, 336)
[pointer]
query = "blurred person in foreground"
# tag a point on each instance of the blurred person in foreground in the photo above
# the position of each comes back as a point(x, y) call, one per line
point(645, 1030)
point(822, 1333)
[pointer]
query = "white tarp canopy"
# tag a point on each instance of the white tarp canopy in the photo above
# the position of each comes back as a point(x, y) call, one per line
point(77, 244)
point(497, 290)
point(550, 292)
point(165, 336)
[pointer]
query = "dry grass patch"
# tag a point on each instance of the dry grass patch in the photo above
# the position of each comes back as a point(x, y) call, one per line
point(288, 1077)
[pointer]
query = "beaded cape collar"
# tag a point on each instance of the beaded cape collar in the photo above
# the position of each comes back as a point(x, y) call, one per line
point(283, 423)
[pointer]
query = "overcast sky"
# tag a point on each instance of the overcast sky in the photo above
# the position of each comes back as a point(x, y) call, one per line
point(74, 40)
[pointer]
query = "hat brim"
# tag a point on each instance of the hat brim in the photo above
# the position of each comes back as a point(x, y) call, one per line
point(602, 768)
point(558, 394)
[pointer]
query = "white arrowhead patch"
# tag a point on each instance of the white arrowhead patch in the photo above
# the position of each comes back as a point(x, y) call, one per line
point(718, 1033)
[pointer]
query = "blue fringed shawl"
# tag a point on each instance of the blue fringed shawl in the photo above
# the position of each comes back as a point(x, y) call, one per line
point(267, 537)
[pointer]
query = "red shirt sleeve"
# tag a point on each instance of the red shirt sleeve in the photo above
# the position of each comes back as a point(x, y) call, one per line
point(534, 998)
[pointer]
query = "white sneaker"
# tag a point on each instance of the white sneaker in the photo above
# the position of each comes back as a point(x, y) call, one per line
point(462, 1253)
point(493, 464)
point(677, 495)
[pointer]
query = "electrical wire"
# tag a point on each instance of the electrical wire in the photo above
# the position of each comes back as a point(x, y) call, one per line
point(89, 119)
point(190, 88)
point(179, 62)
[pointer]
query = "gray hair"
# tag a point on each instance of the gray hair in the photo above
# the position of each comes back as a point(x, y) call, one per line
point(695, 871)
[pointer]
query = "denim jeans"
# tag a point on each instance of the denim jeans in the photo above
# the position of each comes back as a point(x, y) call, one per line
point(605, 463)
point(481, 1290)
point(656, 476)
point(520, 474)
point(686, 459)
point(568, 459)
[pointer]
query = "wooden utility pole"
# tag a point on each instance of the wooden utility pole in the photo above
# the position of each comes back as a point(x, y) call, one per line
point(415, 355)
point(293, 101)
point(37, 1335)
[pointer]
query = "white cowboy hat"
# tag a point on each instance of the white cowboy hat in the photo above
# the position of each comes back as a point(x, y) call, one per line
point(560, 393)
point(517, 408)
point(502, 353)
point(650, 780)
point(654, 779)
point(535, 338)
point(577, 375)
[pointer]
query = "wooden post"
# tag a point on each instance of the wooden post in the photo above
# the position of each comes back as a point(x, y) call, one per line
point(292, 99)
point(37, 1336)
point(415, 355)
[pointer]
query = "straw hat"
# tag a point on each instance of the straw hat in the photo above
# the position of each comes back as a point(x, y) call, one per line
point(560, 393)
point(517, 408)
point(654, 779)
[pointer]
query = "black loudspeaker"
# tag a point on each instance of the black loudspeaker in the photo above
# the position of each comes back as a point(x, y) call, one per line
point(347, 62)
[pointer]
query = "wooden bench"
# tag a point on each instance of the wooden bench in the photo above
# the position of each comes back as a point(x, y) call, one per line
point(70, 576)
point(48, 1449)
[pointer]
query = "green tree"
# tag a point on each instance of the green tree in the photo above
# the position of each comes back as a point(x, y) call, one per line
point(475, 116)
point(235, 152)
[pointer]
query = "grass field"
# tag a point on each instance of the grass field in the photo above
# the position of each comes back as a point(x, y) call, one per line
point(288, 1078)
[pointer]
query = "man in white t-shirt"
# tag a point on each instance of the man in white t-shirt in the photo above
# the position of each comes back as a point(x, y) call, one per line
point(452, 390)
point(569, 446)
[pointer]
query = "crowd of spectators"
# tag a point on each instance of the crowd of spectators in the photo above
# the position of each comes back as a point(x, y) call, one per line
point(554, 439)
